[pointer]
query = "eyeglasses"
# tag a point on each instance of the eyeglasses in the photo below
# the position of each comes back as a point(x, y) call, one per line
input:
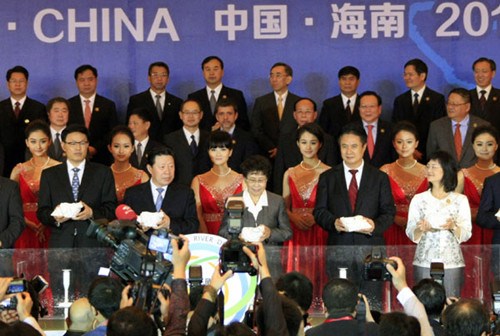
point(16, 81)
point(454, 105)
point(76, 143)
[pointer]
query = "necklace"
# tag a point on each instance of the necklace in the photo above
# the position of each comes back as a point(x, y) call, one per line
point(493, 165)
point(407, 167)
point(221, 175)
point(42, 166)
point(121, 171)
point(312, 168)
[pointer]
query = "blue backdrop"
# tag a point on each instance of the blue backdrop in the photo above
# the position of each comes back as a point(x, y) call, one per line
point(316, 37)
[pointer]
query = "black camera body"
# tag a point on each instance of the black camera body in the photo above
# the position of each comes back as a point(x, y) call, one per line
point(374, 269)
point(17, 285)
point(231, 254)
point(437, 272)
point(9, 304)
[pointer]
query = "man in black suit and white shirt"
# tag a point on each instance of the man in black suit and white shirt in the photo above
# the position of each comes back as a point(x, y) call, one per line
point(190, 144)
point(273, 113)
point(244, 144)
point(379, 149)
point(485, 99)
point(58, 112)
point(139, 123)
point(160, 193)
point(213, 71)
point(95, 112)
point(16, 112)
point(342, 109)
point(163, 107)
point(353, 188)
point(420, 105)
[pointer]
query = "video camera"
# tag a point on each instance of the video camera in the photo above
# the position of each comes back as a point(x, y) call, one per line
point(138, 259)
point(232, 256)
point(374, 269)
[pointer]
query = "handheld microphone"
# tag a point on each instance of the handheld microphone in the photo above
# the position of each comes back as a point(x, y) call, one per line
point(124, 212)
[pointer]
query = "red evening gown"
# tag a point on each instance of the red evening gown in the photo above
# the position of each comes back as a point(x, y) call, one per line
point(305, 252)
point(213, 201)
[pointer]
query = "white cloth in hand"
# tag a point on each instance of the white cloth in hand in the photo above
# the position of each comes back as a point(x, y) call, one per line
point(355, 223)
point(252, 234)
point(67, 210)
point(150, 219)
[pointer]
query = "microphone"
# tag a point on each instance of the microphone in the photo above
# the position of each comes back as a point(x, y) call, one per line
point(124, 212)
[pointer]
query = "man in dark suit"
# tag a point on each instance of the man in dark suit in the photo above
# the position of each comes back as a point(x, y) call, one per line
point(342, 109)
point(273, 113)
point(16, 112)
point(58, 112)
point(11, 220)
point(213, 71)
point(95, 112)
point(487, 218)
point(244, 144)
point(379, 149)
point(420, 105)
point(453, 133)
point(288, 151)
point(349, 189)
point(190, 144)
point(163, 107)
point(160, 193)
point(139, 123)
point(485, 99)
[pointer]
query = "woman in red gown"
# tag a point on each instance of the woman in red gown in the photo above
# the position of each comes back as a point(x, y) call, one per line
point(470, 182)
point(407, 178)
point(212, 188)
point(121, 146)
point(35, 235)
point(305, 252)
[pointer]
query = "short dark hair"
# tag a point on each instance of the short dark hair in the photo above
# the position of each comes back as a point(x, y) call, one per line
point(288, 69)
point(291, 312)
point(83, 68)
point(405, 126)
point(256, 164)
point(142, 113)
point(432, 295)
point(226, 103)
point(485, 129)
point(158, 64)
point(492, 63)
point(419, 65)
point(105, 295)
point(17, 68)
point(354, 129)
point(450, 169)
point(74, 128)
point(131, 321)
point(37, 125)
point(399, 324)
point(54, 100)
point(340, 297)
point(191, 100)
point(121, 129)
point(464, 93)
point(312, 128)
point(349, 70)
point(234, 329)
point(371, 93)
point(211, 58)
point(466, 317)
point(308, 99)
point(220, 139)
point(159, 151)
point(297, 287)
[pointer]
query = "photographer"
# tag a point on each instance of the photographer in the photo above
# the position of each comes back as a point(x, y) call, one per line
point(412, 306)
point(264, 211)
point(433, 296)
point(23, 307)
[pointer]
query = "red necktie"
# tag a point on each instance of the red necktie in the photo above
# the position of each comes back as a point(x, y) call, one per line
point(17, 109)
point(87, 114)
point(353, 189)
point(482, 99)
point(371, 143)
point(458, 141)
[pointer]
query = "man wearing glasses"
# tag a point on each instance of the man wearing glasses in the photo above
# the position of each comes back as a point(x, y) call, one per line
point(190, 144)
point(76, 180)
point(453, 133)
point(163, 106)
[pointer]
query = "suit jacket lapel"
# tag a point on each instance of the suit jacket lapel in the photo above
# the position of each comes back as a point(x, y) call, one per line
point(66, 184)
point(343, 187)
point(86, 179)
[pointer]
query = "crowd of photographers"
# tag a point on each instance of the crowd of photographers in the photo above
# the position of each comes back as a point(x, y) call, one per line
point(113, 309)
